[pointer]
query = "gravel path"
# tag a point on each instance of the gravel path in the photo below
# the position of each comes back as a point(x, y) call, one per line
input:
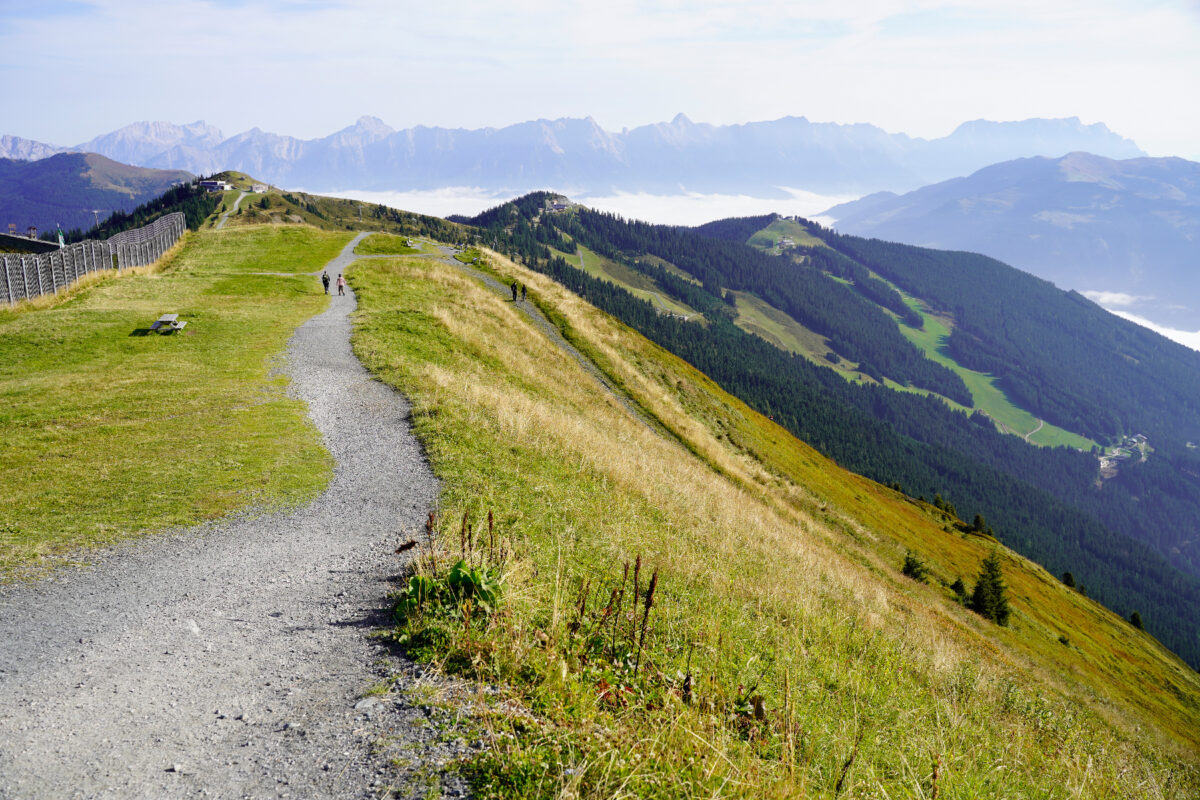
point(221, 222)
point(229, 660)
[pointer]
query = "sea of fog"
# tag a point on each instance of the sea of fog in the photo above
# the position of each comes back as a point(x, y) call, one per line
point(1186, 338)
point(681, 209)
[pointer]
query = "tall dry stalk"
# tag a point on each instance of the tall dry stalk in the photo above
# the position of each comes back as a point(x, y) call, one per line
point(491, 537)
point(645, 619)
point(617, 615)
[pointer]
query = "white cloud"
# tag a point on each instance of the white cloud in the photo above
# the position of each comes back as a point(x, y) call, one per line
point(683, 209)
point(1107, 299)
point(1186, 338)
point(466, 200)
point(695, 209)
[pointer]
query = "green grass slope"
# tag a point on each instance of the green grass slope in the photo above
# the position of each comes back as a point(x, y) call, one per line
point(783, 654)
point(634, 282)
point(771, 237)
point(107, 433)
point(328, 213)
point(988, 396)
point(759, 317)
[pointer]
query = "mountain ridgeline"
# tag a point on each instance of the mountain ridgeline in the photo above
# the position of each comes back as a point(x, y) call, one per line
point(578, 154)
point(76, 190)
point(1128, 539)
point(1123, 229)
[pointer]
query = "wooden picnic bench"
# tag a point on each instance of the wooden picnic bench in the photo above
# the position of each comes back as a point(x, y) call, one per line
point(168, 323)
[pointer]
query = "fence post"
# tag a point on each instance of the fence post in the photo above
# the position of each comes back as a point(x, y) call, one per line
point(25, 281)
point(7, 282)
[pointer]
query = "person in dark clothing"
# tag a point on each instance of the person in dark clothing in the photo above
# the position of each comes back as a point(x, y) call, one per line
point(325, 281)
point(522, 293)
point(514, 291)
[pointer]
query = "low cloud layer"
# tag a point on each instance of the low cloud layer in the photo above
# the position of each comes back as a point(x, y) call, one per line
point(1186, 338)
point(1108, 299)
point(683, 209)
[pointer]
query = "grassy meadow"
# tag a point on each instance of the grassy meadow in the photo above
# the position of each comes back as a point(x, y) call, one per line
point(764, 320)
point(768, 238)
point(931, 339)
point(781, 652)
point(634, 282)
point(389, 244)
point(110, 432)
point(760, 318)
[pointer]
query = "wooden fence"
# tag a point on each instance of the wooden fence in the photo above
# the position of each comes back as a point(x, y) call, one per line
point(28, 276)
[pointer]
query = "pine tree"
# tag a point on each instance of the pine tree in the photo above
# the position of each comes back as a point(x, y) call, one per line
point(989, 599)
point(960, 590)
point(915, 568)
point(1135, 619)
point(1068, 580)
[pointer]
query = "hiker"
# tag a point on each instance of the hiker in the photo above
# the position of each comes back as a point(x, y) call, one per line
point(325, 281)
point(522, 293)
point(514, 290)
point(341, 284)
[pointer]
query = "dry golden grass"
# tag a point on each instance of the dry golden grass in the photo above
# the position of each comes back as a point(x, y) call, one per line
point(1108, 660)
point(779, 571)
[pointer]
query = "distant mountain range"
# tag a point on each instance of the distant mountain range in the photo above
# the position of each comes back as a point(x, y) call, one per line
point(75, 190)
point(578, 156)
point(1126, 233)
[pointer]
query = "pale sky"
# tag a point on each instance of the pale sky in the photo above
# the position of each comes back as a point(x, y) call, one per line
point(72, 69)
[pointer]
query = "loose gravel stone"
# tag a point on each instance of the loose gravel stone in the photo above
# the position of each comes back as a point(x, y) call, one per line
point(226, 660)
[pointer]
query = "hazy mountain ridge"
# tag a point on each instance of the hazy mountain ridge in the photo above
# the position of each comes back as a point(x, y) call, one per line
point(1128, 228)
point(66, 188)
point(579, 155)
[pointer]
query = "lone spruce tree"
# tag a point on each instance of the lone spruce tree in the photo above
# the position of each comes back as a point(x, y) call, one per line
point(990, 600)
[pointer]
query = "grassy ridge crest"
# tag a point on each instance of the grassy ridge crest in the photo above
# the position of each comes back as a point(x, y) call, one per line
point(779, 587)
